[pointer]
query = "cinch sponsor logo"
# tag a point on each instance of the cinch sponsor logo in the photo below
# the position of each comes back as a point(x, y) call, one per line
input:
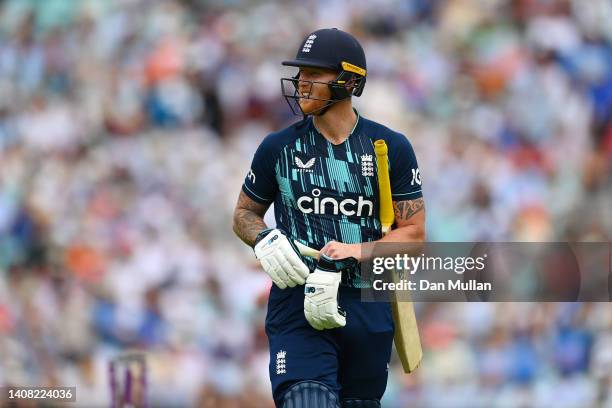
point(330, 205)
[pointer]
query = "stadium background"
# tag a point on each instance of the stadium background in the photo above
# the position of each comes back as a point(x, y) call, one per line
point(126, 128)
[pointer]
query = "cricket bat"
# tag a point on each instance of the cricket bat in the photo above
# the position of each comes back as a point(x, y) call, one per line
point(407, 340)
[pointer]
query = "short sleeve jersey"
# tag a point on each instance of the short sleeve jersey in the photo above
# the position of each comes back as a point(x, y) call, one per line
point(323, 192)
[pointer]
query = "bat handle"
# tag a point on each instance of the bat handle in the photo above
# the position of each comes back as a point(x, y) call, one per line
point(306, 250)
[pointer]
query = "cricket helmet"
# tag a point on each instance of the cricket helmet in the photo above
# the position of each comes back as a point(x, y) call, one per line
point(333, 49)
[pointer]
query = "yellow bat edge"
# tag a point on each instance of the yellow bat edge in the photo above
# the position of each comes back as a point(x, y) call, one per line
point(384, 186)
point(407, 339)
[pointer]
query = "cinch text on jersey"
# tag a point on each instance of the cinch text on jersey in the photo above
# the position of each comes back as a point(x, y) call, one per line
point(330, 205)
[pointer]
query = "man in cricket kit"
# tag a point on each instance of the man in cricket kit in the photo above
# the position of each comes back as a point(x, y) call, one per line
point(327, 348)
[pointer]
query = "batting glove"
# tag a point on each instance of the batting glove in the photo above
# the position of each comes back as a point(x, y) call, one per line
point(321, 294)
point(280, 259)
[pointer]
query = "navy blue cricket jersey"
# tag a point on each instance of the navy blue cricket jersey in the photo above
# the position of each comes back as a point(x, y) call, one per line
point(323, 192)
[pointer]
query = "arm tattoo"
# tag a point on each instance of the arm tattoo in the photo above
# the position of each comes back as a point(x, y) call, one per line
point(248, 219)
point(404, 210)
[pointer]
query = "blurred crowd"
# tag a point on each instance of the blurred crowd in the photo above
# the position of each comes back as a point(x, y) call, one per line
point(127, 126)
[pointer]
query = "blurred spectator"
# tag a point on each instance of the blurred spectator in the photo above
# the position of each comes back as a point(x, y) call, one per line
point(126, 128)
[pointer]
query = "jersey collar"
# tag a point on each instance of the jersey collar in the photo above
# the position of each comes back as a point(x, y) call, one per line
point(357, 125)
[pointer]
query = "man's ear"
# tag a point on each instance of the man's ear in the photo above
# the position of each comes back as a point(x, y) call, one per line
point(351, 84)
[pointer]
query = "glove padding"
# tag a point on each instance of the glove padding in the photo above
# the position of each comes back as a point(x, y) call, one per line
point(280, 259)
point(321, 294)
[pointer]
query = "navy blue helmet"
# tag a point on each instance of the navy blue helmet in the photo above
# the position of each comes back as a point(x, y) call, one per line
point(333, 49)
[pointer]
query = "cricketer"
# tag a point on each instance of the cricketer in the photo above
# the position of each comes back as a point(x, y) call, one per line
point(327, 348)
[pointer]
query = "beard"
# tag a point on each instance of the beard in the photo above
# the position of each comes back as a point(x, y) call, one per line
point(311, 106)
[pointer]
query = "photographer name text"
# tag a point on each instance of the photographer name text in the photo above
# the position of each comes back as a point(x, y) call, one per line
point(425, 285)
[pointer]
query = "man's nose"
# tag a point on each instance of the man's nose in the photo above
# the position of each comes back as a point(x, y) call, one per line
point(305, 77)
point(304, 86)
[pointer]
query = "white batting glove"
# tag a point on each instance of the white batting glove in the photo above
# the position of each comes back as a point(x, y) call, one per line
point(321, 297)
point(280, 259)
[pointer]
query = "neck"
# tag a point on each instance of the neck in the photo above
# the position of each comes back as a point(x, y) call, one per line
point(337, 123)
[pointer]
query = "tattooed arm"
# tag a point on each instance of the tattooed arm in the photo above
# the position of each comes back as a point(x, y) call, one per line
point(248, 219)
point(409, 228)
point(409, 221)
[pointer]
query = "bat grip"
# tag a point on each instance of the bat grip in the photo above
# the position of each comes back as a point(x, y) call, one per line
point(306, 250)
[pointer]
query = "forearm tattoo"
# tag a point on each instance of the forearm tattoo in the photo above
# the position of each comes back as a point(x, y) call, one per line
point(248, 219)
